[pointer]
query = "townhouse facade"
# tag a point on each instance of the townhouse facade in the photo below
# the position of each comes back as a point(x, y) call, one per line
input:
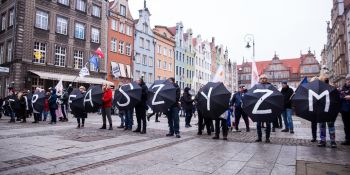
point(190, 58)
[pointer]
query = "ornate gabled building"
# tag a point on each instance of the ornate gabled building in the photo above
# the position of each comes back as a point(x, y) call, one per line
point(293, 70)
point(190, 58)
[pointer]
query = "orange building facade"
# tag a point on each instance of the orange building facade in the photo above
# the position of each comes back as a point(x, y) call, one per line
point(120, 43)
point(164, 53)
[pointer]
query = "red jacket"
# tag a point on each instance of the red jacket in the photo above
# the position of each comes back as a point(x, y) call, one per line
point(107, 99)
point(46, 105)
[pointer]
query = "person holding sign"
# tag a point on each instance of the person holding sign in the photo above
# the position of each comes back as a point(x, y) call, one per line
point(173, 113)
point(263, 80)
point(141, 108)
point(81, 115)
point(107, 105)
point(345, 110)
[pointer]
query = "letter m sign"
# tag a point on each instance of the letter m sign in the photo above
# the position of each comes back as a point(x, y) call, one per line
point(313, 94)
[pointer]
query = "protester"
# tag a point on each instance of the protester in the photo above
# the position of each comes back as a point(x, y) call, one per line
point(173, 113)
point(22, 106)
point(37, 114)
point(106, 107)
point(53, 105)
point(287, 93)
point(82, 115)
point(1, 106)
point(345, 110)
point(11, 103)
point(121, 115)
point(128, 119)
point(202, 121)
point(187, 106)
point(263, 80)
point(221, 122)
point(331, 127)
point(46, 106)
point(239, 112)
point(64, 105)
point(141, 108)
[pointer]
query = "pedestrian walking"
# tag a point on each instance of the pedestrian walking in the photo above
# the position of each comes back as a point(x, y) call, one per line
point(287, 113)
point(173, 113)
point(239, 112)
point(345, 110)
point(53, 106)
point(187, 104)
point(141, 108)
point(106, 107)
point(263, 80)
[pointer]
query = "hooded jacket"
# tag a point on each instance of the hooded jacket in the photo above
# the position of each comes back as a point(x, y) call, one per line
point(53, 100)
point(107, 98)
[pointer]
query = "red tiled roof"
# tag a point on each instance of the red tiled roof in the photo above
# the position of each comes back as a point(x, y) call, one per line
point(172, 30)
point(293, 63)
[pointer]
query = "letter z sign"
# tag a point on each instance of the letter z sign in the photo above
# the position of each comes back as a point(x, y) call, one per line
point(261, 100)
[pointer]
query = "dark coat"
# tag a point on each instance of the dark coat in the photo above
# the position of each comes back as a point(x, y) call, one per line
point(143, 103)
point(187, 102)
point(178, 95)
point(81, 114)
point(345, 104)
point(236, 100)
point(53, 100)
point(287, 94)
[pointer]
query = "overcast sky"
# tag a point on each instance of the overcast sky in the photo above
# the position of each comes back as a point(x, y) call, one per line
point(284, 26)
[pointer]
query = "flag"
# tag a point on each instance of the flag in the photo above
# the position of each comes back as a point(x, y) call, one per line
point(37, 55)
point(115, 69)
point(84, 72)
point(219, 75)
point(304, 81)
point(99, 53)
point(59, 87)
point(255, 74)
point(94, 60)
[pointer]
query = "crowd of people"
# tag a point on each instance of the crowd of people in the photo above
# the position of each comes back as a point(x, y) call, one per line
point(16, 105)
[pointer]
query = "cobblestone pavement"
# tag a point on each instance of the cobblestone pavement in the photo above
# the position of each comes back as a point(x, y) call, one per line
point(27, 148)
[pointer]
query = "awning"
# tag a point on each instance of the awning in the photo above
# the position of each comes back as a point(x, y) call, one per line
point(69, 78)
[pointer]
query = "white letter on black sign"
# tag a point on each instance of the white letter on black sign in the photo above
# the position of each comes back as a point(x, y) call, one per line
point(34, 99)
point(154, 102)
point(261, 100)
point(126, 96)
point(208, 97)
point(70, 100)
point(318, 97)
point(89, 99)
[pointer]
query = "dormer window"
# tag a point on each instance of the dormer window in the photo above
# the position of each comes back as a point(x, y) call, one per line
point(122, 10)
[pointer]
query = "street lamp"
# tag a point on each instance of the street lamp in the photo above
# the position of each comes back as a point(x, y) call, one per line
point(250, 38)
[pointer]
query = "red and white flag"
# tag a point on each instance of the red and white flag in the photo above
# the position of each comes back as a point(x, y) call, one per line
point(255, 74)
point(99, 53)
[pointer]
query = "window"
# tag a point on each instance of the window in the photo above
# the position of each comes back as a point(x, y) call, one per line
point(177, 70)
point(37, 82)
point(148, 45)
point(121, 27)
point(61, 25)
point(114, 45)
point(60, 56)
point(40, 50)
point(164, 51)
point(138, 58)
point(2, 54)
point(11, 17)
point(81, 5)
point(3, 22)
point(114, 25)
point(9, 51)
point(121, 47)
point(142, 42)
point(41, 20)
point(150, 77)
point(122, 10)
point(78, 59)
point(137, 74)
point(170, 53)
point(128, 49)
point(145, 28)
point(150, 62)
point(144, 59)
point(159, 78)
point(64, 2)
point(164, 65)
point(96, 11)
point(159, 48)
point(129, 30)
point(95, 35)
point(170, 67)
point(159, 63)
point(79, 30)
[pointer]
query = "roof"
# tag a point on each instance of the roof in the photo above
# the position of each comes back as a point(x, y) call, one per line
point(167, 28)
point(194, 41)
point(136, 21)
point(293, 63)
point(172, 30)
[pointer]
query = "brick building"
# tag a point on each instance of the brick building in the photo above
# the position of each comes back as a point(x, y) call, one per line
point(43, 41)
point(293, 70)
point(120, 42)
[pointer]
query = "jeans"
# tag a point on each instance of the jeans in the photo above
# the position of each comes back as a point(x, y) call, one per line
point(122, 115)
point(346, 121)
point(238, 114)
point(128, 119)
point(331, 130)
point(13, 116)
point(106, 112)
point(173, 120)
point(188, 117)
point(45, 115)
point(53, 115)
point(268, 129)
point(287, 118)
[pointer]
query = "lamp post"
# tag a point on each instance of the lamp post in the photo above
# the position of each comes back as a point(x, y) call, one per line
point(250, 38)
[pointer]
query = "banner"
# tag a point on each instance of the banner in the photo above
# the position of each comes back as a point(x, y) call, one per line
point(115, 69)
point(84, 72)
point(255, 74)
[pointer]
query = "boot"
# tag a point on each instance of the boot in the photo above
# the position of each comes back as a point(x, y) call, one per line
point(103, 126)
point(137, 130)
point(121, 126)
point(285, 130)
point(322, 144)
point(78, 127)
point(258, 140)
point(216, 137)
point(143, 131)
point(110, 127)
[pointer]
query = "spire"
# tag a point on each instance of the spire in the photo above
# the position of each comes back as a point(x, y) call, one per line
point(144, 4)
